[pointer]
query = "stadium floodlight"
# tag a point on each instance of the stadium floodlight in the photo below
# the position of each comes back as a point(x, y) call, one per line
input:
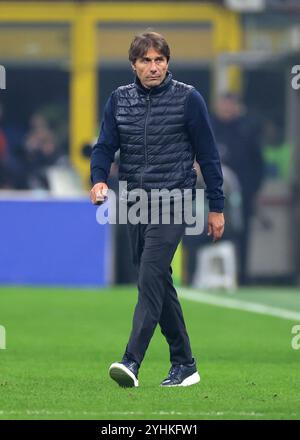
point(246, 5)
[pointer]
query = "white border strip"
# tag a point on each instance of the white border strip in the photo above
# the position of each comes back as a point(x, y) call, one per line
point(230, 303)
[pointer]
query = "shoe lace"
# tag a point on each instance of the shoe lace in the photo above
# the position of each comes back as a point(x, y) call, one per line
point(174, 370)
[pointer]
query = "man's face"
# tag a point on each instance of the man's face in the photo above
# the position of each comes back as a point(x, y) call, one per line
point(151, 68)
point(227, 108)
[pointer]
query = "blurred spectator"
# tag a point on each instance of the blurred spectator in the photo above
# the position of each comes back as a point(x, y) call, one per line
point(41, 151)
point(232, 213)
point(56, 115)
point(238, 135)
point(5, 178)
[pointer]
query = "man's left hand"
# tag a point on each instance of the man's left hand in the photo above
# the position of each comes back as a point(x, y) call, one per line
point(216, 224)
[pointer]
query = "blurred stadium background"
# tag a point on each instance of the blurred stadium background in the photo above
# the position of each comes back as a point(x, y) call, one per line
point(62, 59)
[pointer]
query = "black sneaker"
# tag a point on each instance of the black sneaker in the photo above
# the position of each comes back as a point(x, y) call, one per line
point(182, 375)
point(125, 373)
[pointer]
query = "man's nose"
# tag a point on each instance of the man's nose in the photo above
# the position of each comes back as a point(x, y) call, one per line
point(153, 67)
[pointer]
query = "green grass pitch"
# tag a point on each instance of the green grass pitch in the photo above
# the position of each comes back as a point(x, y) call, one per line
point(60, 343)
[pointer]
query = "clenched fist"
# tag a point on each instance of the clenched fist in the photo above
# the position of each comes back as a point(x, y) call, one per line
point(99, 193)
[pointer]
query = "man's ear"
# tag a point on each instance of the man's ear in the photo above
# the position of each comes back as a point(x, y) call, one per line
point(133, 67)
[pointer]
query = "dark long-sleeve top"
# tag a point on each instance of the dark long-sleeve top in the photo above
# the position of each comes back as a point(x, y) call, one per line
point(201, 137)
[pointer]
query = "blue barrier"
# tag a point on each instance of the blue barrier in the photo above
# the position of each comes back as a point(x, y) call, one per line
point(53, 243)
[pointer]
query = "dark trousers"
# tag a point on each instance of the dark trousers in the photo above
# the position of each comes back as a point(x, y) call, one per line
point(153, 247)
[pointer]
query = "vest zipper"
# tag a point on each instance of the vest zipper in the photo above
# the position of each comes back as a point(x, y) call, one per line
point(145, 135)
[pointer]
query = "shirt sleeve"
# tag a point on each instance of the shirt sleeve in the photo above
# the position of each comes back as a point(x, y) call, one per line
point(204, 144)
point(107, 145)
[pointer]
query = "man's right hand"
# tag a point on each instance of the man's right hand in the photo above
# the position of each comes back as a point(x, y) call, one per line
point(99, 193)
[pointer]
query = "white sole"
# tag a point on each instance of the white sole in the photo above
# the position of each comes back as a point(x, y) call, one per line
point(191, 380)
point(122, 375)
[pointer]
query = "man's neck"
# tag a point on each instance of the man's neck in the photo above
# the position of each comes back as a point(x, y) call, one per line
point(149, 88)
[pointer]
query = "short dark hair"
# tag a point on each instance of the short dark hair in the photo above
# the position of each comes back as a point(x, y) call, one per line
point(232, 96)
point(142, 42)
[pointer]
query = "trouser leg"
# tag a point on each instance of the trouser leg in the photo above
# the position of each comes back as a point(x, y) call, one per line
point(159, 245)
point(173, 326)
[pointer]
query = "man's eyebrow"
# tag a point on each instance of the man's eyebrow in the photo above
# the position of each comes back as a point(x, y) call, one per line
point(160, 57)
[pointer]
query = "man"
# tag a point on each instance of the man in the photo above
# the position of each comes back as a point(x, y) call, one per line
point(5, 175)
point(238, 136)
point(160, 125)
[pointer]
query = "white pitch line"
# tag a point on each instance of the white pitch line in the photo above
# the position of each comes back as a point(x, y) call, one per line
point(161, 412)
point(230, 303)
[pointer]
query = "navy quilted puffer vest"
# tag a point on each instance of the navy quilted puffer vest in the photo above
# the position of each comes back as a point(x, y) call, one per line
point(155, 151)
